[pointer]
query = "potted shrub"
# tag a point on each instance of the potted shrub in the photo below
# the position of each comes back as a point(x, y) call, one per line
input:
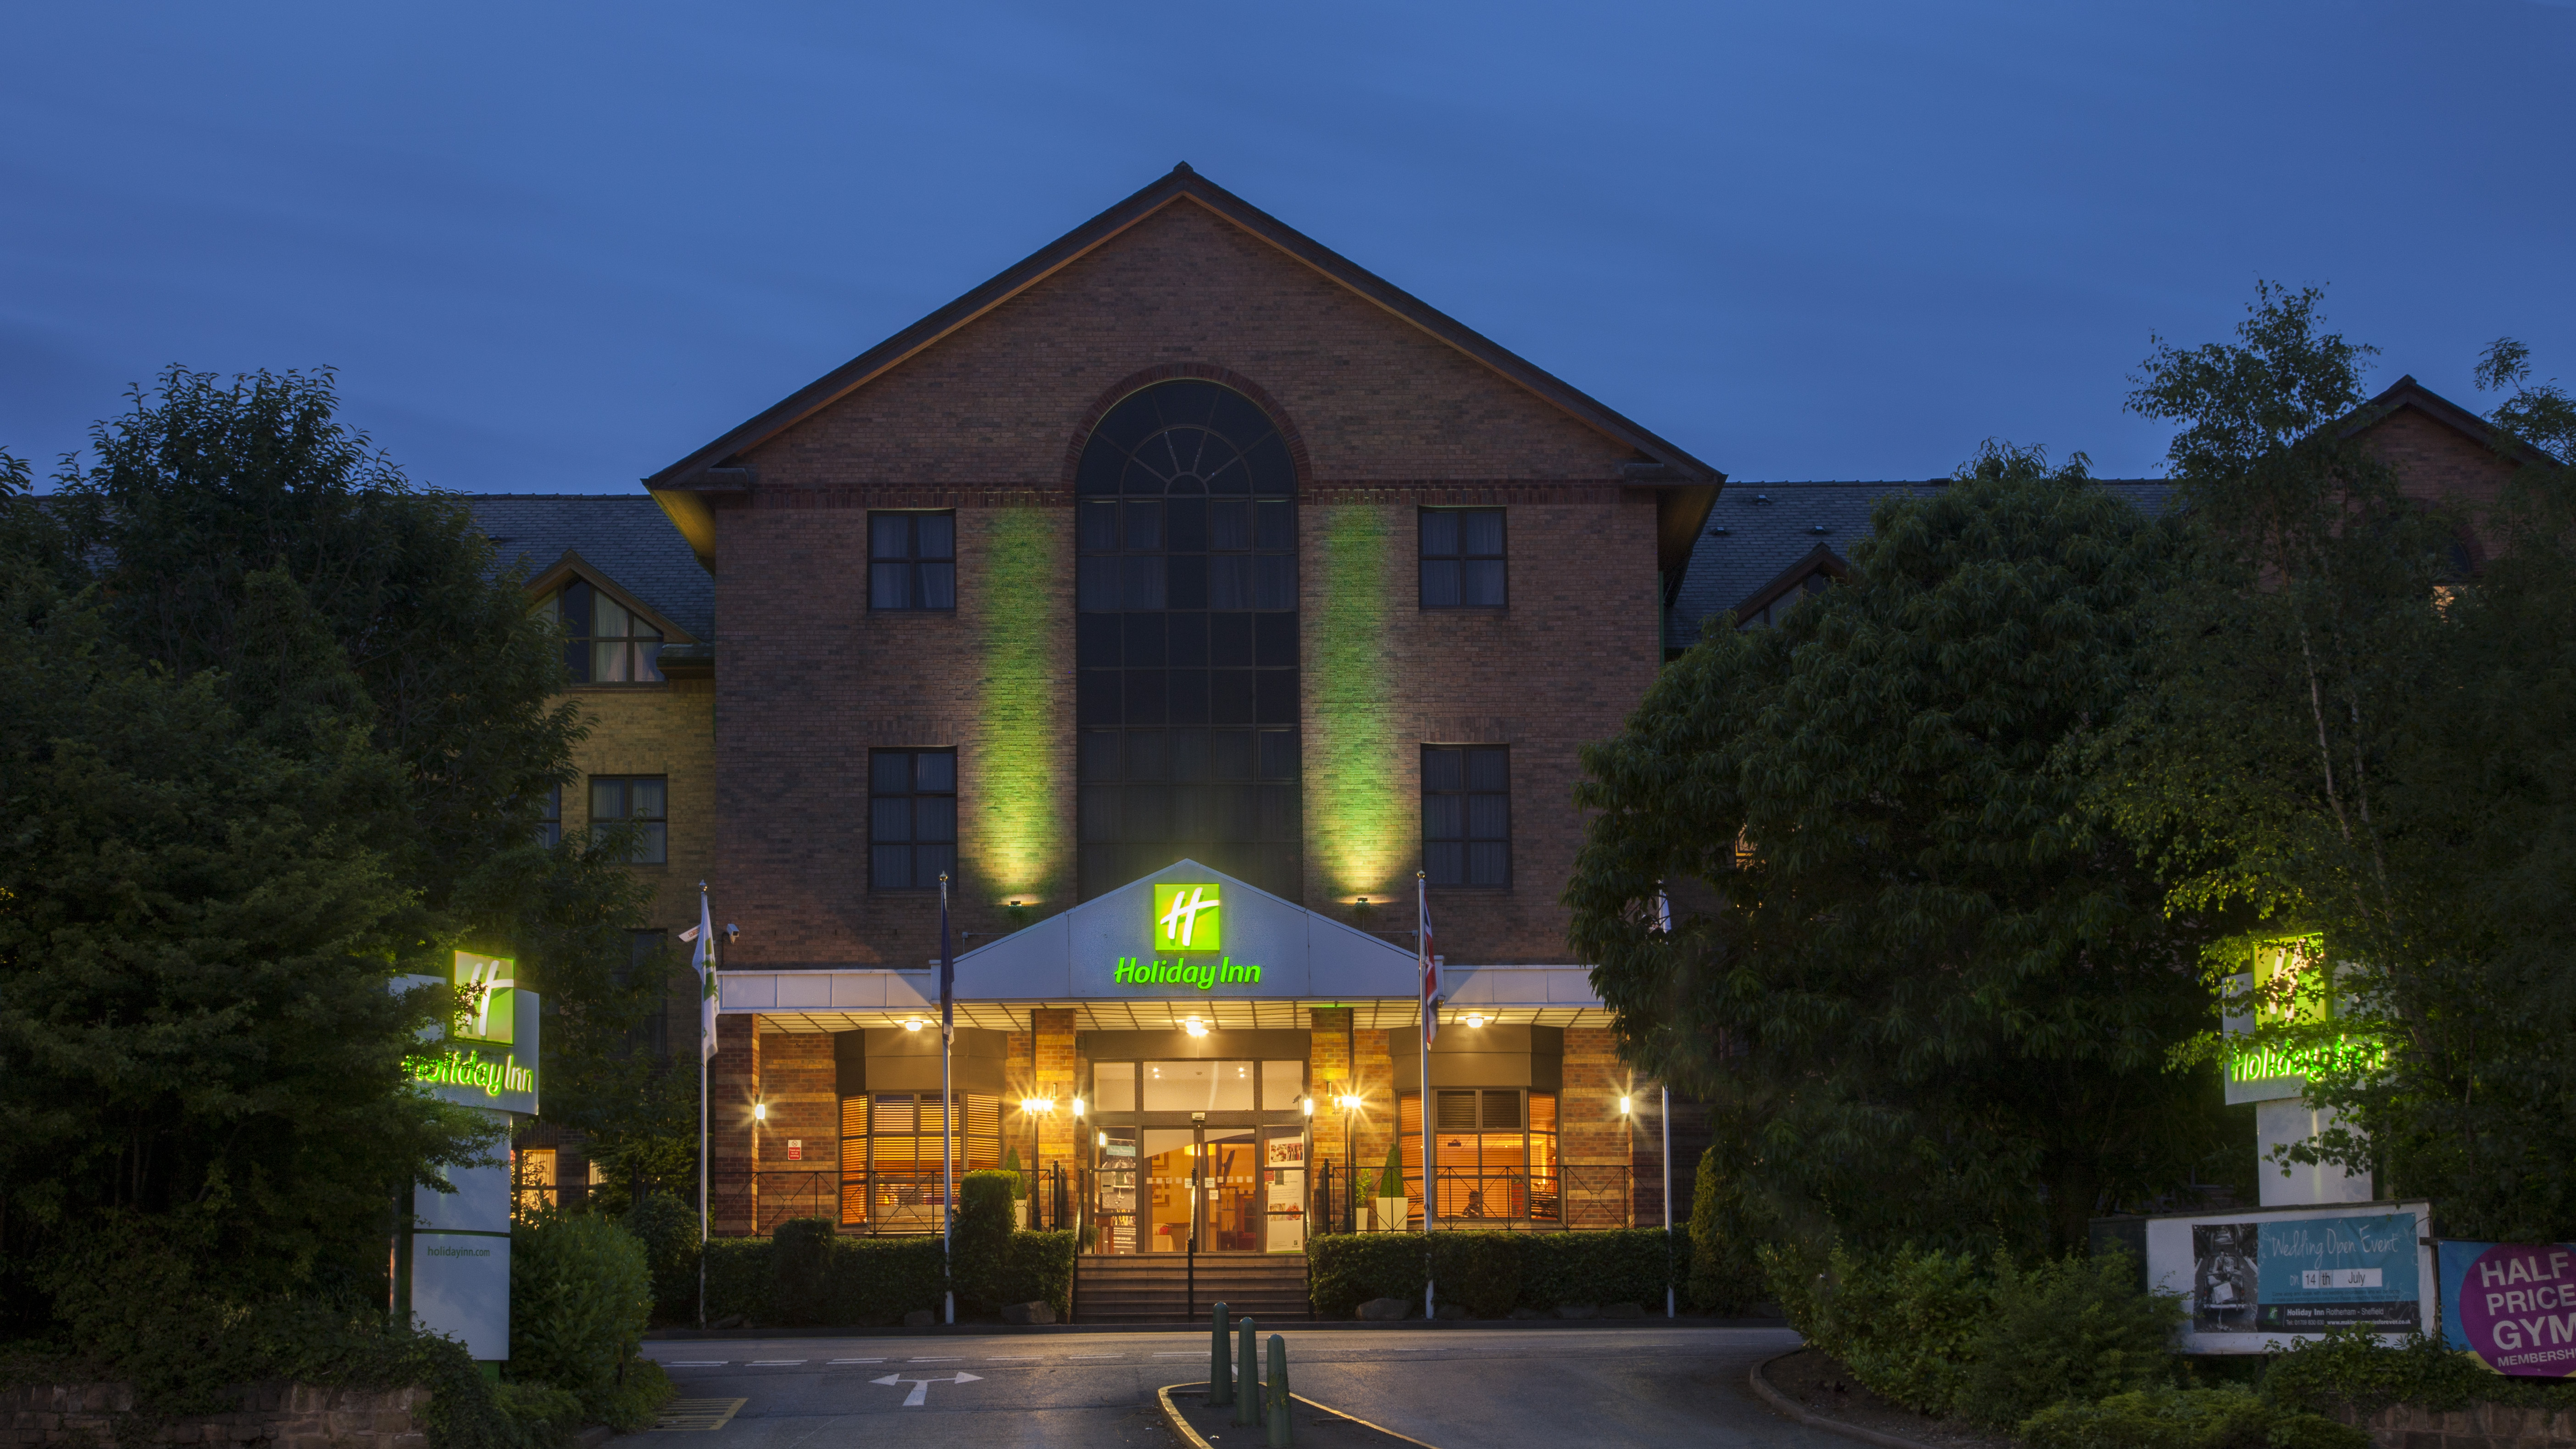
point(1019, 1188)
point(1390, 1192)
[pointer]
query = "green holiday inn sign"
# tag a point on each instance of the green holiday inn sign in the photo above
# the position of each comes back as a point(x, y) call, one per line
point(489, 1017)
point(1189, 943)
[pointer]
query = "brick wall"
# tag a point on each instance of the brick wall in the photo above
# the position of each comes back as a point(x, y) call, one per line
point(987, 422)
point(1052, 1030)
point(733, 1085)
point(800, 1084)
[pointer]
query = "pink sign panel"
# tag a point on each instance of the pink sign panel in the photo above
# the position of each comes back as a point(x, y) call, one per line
point(2513, 1305)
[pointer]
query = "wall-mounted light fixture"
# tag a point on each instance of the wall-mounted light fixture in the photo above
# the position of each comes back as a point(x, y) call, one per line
point(1309, 1104)
point(760, 1111)
point(1099, 1139)
point(1077, 1109)
point(1627, 1106)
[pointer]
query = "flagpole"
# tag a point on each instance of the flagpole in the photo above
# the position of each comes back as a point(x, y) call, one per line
point(706, 963)
point(947, 1108)
point(1430, 1005)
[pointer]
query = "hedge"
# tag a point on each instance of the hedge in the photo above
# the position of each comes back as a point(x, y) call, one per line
point(1490, 1274)
point(866, 1280)
point(2349, 1372)
point(581, 1295)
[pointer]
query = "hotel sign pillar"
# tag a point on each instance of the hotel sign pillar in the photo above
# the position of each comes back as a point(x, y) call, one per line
point(452, 1252)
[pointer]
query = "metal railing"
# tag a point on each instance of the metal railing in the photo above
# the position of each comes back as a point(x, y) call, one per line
point(888, 1202)
point(1575, 1197)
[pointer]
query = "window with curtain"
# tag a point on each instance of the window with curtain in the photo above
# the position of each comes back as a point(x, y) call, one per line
point(1186, 640)
point(642, 799)
point(912, 818)
point(550, 817)
point(1462, 558)
point(1467, 815)
point(604, 641)
point(912, 562)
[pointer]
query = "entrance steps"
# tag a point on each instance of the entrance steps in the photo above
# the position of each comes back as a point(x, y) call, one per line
point(1157, 1287)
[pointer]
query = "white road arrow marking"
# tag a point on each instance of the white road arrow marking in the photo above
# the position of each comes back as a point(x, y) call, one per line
point(921, 1387)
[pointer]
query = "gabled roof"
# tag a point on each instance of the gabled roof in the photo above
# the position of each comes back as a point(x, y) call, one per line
point(619, 537)
point(1662, 465)
point(2406, 392)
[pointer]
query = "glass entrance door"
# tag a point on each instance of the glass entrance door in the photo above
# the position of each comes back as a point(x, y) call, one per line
point(1168, 1195)
point(1232, 1189)
point(1234, 1203)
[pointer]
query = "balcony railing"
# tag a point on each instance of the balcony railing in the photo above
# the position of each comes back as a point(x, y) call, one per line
point(892, 1202)
point(1574, 1197)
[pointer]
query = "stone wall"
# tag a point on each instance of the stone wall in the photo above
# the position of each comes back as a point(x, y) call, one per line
point(2479, 1426)
point(288, 1415)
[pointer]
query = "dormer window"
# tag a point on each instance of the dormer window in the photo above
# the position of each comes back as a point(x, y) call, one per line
point(604, 642)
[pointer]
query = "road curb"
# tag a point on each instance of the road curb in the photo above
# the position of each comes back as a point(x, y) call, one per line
point(1180, 1425)
point(1781, 1404)
point(996, 1330)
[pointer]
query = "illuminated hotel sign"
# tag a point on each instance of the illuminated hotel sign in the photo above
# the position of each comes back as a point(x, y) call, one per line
point(1189, 942)
point(489, 1058)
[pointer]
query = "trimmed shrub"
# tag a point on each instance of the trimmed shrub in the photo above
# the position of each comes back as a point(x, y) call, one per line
point(981, 1243)
point(1040, 1266)
point(546, 1415)
point(739, 1280)
point(876, 1281)
point(800, 1262)
point(668, 1229)
point(1019, 1183)
point(2222, 1418)
point(1492, 1273)
point(2072, 1328)
point(580, 1299)
point(1480, 1272)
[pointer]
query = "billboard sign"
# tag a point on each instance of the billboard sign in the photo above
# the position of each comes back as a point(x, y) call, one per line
point(2254, 1277)
point(2512, 1306)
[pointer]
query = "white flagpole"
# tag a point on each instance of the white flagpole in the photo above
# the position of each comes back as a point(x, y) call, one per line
point(1430, 1005)
point(1668, 1200)
point(947, 1115)
point(706, 963)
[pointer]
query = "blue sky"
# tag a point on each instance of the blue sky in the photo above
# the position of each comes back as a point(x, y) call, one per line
point(553, 248)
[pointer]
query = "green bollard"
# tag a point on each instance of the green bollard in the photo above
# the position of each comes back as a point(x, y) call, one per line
point(1278, 1392)
point(1220, 1371)
point(1247, 1384)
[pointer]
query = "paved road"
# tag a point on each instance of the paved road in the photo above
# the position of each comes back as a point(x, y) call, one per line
point(1475, 1389)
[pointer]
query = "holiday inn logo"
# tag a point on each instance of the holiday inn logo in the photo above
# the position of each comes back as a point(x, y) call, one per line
point(1188, 918)
point(487, 990)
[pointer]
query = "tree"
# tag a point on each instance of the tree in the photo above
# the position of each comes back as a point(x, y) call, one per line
point(1906, 965)
point(347, 632)
point(2356, 740)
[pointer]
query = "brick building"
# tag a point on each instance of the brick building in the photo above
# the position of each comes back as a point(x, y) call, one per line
point(1185, 552)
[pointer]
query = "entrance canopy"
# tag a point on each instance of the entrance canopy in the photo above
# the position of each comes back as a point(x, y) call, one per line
point(1183, 941)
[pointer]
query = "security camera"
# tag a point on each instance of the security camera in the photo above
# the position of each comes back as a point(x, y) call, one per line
point(731, 931)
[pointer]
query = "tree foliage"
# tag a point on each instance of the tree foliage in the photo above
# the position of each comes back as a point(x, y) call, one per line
point(275, 732)
point(2357, 734)
point(1905, 963)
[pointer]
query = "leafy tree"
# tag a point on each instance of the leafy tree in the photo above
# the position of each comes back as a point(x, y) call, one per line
point(253, 574)
point(1905, 964)
point(2352, 741)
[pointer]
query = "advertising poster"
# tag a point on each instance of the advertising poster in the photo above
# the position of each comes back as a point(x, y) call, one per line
point(2512, 1306)
point(2255, 1277)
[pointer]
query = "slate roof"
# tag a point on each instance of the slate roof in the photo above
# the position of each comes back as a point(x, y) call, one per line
point(1757, 530)
point(625, 537)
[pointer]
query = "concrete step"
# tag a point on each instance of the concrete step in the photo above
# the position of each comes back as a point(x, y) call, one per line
point(1161, 1289)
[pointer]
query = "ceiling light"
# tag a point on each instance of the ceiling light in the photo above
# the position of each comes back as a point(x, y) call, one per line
point(1100, 1139)
point(912, 1024)
point(1475, 1018)
point(1194, 1027)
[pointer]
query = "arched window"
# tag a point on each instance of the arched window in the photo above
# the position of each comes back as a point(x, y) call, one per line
point(1187, 641)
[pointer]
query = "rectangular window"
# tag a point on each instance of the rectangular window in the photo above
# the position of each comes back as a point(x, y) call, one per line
point(641, 799)
point(1496, 1153)
point(912, 818)
point(1462, 558)
point(550, 818)
point(891, 1150)
point(1467, 815)
point(912, 561)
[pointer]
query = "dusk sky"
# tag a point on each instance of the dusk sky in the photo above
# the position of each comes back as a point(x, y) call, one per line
point(553, 248)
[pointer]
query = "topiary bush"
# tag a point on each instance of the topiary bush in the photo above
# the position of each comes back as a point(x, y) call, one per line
point(2068, 1328)
point(1344, 1270)
point(874, 1282)
point(580, 1299)
point(981, 1242)
point(668, 1229)
point(2167, 1418)
point(1480, 1272)
point(740, 1280)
